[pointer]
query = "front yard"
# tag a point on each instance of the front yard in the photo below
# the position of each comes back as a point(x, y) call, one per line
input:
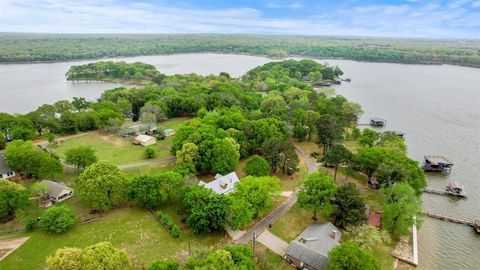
point(131, 228)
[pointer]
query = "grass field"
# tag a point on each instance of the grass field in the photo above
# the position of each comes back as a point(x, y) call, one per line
point(119, 150)
point(293, 222)
point(131, 228)
point(268, 260)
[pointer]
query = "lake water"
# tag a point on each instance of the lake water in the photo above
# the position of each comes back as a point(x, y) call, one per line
point(436, 106)
point(24, 87)
point(438, 109)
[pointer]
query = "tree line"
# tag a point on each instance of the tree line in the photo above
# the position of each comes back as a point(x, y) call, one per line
point(16, 47)
point(109, 70)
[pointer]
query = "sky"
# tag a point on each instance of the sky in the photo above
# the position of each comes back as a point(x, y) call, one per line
point(410, 18)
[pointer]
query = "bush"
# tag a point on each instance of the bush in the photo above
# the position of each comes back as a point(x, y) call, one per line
point(149, 152)
point(257, 166)
point(30, 224)
point(57, 219)
point(175, 231)
point(163, 265)
point(168, 223)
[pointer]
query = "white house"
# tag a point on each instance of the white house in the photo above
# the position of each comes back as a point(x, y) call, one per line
point(222, 184)
point(57, 192)
point(144, 140)
point(5, 171)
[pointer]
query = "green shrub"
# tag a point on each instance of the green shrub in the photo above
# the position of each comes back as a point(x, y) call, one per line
point(30, 224)
point(149, 152)
point(175, 231)
point(57, 219)
point(163, 265)
point(257, 166)
point(168, 223)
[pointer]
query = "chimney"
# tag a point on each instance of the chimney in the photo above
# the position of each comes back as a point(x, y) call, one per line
point(333, 234)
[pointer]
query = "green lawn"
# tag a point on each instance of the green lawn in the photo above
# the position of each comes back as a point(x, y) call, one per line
point(293, 222)
point(149, 169)
point(131, 228)
point(268, 260)
point(119, 150)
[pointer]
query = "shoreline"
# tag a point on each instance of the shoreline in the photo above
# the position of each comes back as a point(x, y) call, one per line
point(423, 63)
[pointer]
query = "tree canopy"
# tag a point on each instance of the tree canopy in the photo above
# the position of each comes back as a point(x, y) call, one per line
point(81, 157)
point(257, 166)
point(317, 193)
point(12, 197)
point(102, 185)
point(207, 211)
point(349, 206)
point(102, 255)
point(401, 206)
point(349, 255)
point(57, 219)
point(257, 192)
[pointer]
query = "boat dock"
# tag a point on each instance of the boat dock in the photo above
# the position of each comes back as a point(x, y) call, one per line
point(375, 122)
point(444, 192)
point(474, 224)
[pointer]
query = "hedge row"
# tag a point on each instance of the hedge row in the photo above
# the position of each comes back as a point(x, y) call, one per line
point(168, 223)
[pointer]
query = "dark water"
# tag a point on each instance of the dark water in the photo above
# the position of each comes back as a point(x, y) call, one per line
point(437, 107)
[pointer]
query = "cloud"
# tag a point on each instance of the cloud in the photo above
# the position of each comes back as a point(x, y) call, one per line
point(292, 5)
point(476, 4)
point(408, 19)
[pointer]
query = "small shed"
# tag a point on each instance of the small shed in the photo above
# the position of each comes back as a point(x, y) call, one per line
point(374, 219)
point(169, 132)
point(144, 140)
point(58, 192)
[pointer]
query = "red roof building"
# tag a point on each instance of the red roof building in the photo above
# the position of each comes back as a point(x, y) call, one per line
point(374, 219)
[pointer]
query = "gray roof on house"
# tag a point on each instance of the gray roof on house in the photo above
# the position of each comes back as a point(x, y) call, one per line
point(4, 169)
point(55, 189)
point(377, 119)
point(313, 244)
point(222, 184)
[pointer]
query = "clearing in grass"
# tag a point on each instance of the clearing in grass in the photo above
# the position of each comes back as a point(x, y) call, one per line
point(119, 150)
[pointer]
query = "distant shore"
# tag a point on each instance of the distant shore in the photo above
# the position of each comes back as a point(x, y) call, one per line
point(431, 62)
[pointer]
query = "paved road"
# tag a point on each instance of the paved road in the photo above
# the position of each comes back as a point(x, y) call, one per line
point(312, 167)
point(148, 162)
point(261, 226)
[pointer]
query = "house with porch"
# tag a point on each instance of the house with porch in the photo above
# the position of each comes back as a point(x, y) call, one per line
point(56, 192)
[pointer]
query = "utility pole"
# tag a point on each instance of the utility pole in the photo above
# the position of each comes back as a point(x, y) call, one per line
point(253, 242)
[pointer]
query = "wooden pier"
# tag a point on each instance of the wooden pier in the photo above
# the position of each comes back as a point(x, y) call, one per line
point(474, 224)
point(444, 192)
